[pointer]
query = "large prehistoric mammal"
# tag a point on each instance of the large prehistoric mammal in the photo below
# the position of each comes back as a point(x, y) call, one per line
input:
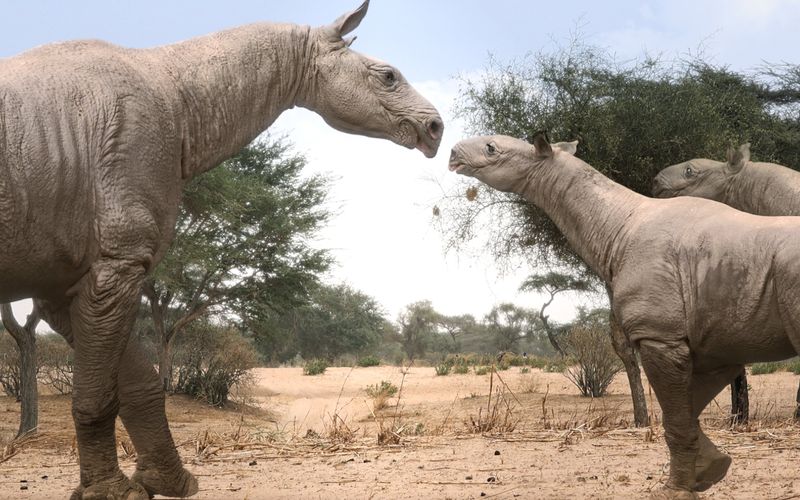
point(691, 279)
point(96, 144)
point(758, 188)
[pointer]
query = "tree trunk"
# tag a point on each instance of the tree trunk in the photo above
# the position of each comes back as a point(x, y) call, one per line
point(29, 392)
point(740, 402)
point(626, 353)
point(25, 337)
point(165, 364)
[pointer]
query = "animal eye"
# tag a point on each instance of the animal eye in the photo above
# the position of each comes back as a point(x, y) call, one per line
point(688, 172)
point(390, 77)
point(491, 149)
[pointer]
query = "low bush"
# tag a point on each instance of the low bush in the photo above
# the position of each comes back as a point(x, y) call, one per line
point(211, 359)
point(367, 361)
point(461, 369)
point(315, 367)
point(56, 363)
point(381, 393)
point(793, 365)
point(482, 370)
point(524, 369)
point(442, 369)
point(765, 368)
point(9, 366)
point(596, 363)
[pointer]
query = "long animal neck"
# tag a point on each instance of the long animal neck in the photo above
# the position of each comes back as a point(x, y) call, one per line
point(590, 209)
point(232, 85)
point(765, 189)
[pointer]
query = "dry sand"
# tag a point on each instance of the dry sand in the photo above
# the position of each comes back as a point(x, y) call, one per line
point(562, 446)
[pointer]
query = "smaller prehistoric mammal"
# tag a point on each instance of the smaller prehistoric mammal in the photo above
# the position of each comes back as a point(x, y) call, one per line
point(691, 280)
point(754, 187)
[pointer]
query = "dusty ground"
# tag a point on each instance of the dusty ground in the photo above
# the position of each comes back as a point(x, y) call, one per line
point(562, 445)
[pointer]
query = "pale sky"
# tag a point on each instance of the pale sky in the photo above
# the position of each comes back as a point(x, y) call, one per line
point(382, 236)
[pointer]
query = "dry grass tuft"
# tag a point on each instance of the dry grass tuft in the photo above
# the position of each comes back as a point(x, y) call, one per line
point(499, 417)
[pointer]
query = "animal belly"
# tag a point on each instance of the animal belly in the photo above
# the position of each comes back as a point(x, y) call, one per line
point(766, 342)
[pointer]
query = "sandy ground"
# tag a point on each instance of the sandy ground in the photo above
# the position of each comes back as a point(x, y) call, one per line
point(317, 437)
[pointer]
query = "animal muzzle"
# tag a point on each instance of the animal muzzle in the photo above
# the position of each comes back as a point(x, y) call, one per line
point(429, 138)
point(659, 189)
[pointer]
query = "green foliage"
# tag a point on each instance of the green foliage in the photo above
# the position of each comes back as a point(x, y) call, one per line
point(765, 368)
point(461, 369)
point(210, 360)
point(367, 361)
point(524, 370)
point(384, 389)
point(508, 323)
point(482, 370)
point(793, 365)
point(242, 243)
point(417, 328)
point(442, 369)
point(315, 367)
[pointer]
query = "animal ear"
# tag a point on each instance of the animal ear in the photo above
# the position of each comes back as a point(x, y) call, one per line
point(541, 145)
point(350, 21)
point(349, 40)
point(567, 147)
point(737, 158)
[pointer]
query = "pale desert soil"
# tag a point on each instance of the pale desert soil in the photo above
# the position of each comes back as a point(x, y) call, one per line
point(563, 446)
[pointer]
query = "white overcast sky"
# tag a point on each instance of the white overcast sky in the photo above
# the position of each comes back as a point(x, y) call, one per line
point(382, 236)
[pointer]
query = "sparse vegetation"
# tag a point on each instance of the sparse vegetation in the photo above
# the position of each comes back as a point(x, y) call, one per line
point(765, 368)
point(596, 364)
point(367, 361)
point(442, 369)
point(315, 367)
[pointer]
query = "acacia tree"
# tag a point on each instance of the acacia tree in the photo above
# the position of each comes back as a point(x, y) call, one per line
point(508, 324)
point(241, 244)
point(25, 338)
point(631, 120)
point(417, 328)
point(337, 320)
point(554, 283)
point(456, 326)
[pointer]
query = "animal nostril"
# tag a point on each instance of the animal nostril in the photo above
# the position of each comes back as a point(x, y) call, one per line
point(435, 128)
point(452, 154)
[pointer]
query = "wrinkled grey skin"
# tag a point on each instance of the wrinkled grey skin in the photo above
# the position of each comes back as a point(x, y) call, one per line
point(754, 187)
point(691, 280)
point(96, 144)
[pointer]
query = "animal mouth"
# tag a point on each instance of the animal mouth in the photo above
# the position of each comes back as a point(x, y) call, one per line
point(428, 135)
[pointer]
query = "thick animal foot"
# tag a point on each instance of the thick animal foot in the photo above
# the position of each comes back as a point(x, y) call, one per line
point(708, 474)
point(667, 493)
point(119, 488)
point(180, 485)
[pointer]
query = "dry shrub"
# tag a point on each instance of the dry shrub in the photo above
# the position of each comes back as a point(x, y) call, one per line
point(498, 417)
point(56, 363)
point(337, 430)
point(528, 384)
point(10, 379)
point(596, 364)
point(211, 360)
point(381, 393)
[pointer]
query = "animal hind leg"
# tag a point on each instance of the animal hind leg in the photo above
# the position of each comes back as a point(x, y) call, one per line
point(158, 466)
point(101, 316)
point(712, 465)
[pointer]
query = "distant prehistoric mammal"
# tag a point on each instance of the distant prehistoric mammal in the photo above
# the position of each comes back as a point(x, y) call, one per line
point(758, 188)
point(96, 144)
point(691, 280)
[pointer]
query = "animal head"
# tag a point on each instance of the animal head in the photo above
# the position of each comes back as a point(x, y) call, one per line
point(365, 96)
point(701, 177)
point(503, 162)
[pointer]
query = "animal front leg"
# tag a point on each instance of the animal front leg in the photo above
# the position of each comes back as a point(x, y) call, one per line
point(158, 466)
point(101, 315)
point(668, 367)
